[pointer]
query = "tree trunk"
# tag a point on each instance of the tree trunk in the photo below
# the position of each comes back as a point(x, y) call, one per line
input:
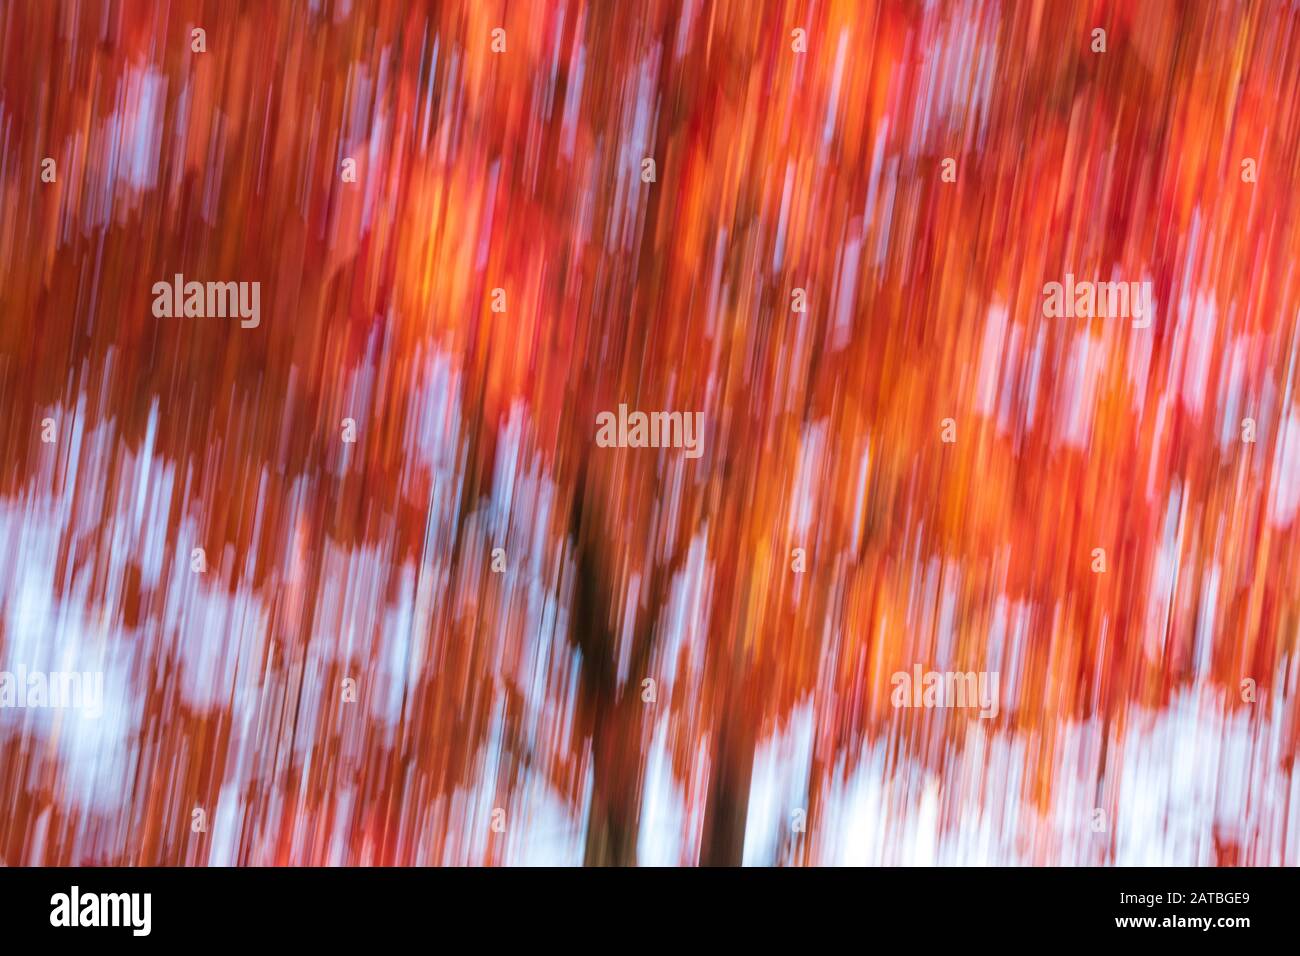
point(723, 843)
point(616, 785)
point(612, 715)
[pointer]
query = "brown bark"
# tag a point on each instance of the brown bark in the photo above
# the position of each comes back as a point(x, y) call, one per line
point(616, 785)
point(723, 843)
point(613, 715)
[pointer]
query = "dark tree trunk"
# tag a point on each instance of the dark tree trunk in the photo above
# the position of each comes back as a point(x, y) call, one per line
point(723, 843)
point(616, 785)
point(612, 714)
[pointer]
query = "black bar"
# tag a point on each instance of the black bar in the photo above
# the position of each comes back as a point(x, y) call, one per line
point(535, 907)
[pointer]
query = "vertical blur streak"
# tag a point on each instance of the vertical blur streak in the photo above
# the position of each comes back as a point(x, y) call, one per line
point(360, 586)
